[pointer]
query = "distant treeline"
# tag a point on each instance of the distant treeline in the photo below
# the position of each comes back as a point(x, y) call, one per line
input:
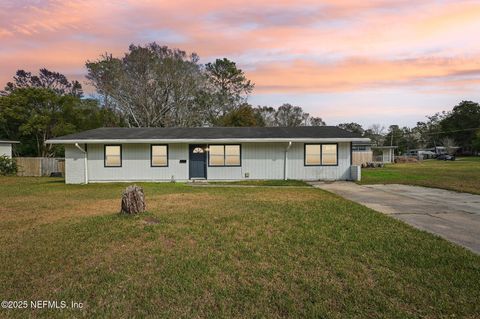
point(459, 127)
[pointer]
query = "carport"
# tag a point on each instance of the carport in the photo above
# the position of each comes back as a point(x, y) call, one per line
point(388, 153)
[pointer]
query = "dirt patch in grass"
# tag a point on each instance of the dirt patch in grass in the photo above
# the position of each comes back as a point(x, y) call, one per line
point(182, 202)
point(151, 220)
point(54, 211)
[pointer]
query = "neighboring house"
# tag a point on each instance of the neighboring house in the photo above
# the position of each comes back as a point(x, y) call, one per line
point(362, 153)
point(219, 153)
point(432, 152)
point(6, 147)
point(421, 153)
point(388, 153)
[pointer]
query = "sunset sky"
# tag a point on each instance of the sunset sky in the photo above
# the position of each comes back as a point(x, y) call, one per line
point(391, 61)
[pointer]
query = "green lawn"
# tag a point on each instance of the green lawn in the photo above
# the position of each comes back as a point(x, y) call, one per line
point(223, 253)
point(462, 175)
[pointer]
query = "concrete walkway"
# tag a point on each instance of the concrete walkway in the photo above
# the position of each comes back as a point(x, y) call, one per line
point(451, 215)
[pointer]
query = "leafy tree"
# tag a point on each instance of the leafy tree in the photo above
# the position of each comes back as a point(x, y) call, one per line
point(46, 79)
point(315, 121)
point(33, 115)
point(40, 114)
point(405, 138)
point(430, 131)
point(267, 115)
point(152, 86)
point(228, 86)
point(286, 115)
point(394, 135)
point(352, 127)
point(245, 115)
point(289, 115)
point(462, 123)
point(476, 142)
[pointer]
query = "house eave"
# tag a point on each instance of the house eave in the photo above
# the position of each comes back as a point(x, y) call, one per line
point(206, 141)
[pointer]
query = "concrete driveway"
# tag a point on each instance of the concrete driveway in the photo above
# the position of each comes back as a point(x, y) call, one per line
point(451, 215)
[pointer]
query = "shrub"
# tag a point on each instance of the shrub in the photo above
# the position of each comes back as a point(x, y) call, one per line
point(8, 166)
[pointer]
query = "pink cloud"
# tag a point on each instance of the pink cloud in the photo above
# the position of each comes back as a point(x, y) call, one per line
point(357, 73)
point(299, 46)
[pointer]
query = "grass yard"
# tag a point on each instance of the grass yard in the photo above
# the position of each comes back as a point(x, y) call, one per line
point(223, 253)
point(462, 175)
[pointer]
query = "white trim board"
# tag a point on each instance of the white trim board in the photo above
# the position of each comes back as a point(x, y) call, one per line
point(217, 140)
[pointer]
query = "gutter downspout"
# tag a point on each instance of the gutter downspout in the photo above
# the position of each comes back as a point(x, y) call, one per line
point(86, 162)
point(286, 159)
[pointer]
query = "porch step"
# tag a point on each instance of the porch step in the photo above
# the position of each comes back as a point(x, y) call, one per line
point(199, 181)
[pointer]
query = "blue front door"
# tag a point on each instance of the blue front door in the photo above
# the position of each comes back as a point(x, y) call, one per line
point(198, 161)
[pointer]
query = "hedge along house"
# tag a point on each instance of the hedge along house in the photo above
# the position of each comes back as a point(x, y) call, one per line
point(6, 147)
point(213, 153)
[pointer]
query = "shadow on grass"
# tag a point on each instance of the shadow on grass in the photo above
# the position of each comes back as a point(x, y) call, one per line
point(55, 181)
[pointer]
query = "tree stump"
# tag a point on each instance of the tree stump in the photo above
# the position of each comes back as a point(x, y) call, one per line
point(133, 200)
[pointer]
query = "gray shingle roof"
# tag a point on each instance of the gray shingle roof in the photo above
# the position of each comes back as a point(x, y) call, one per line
point(209, 133)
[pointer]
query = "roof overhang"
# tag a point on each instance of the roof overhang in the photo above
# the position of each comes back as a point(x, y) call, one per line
point(384, 147)
point(9, 142)
point(199, 141)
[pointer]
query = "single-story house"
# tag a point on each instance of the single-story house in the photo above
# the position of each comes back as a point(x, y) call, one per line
point(211, 153)
point(388, 153)
point(6, 147)
point(363, 152)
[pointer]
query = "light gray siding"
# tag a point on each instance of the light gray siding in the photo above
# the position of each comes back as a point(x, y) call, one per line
point(356, 173)
point(74, 165)
point(6, 149)
point(136, 164)
point(259, 161)
point(297, 169)
point(266, 161)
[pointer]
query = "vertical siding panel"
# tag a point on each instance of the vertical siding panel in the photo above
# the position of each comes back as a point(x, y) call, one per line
point(297, 170)
point(136, 164)
point(74, 165)
point(6, 149)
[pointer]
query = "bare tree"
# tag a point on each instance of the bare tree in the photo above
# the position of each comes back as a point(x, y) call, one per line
point(151, 85)
point(378, 129)
point(376, 132)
